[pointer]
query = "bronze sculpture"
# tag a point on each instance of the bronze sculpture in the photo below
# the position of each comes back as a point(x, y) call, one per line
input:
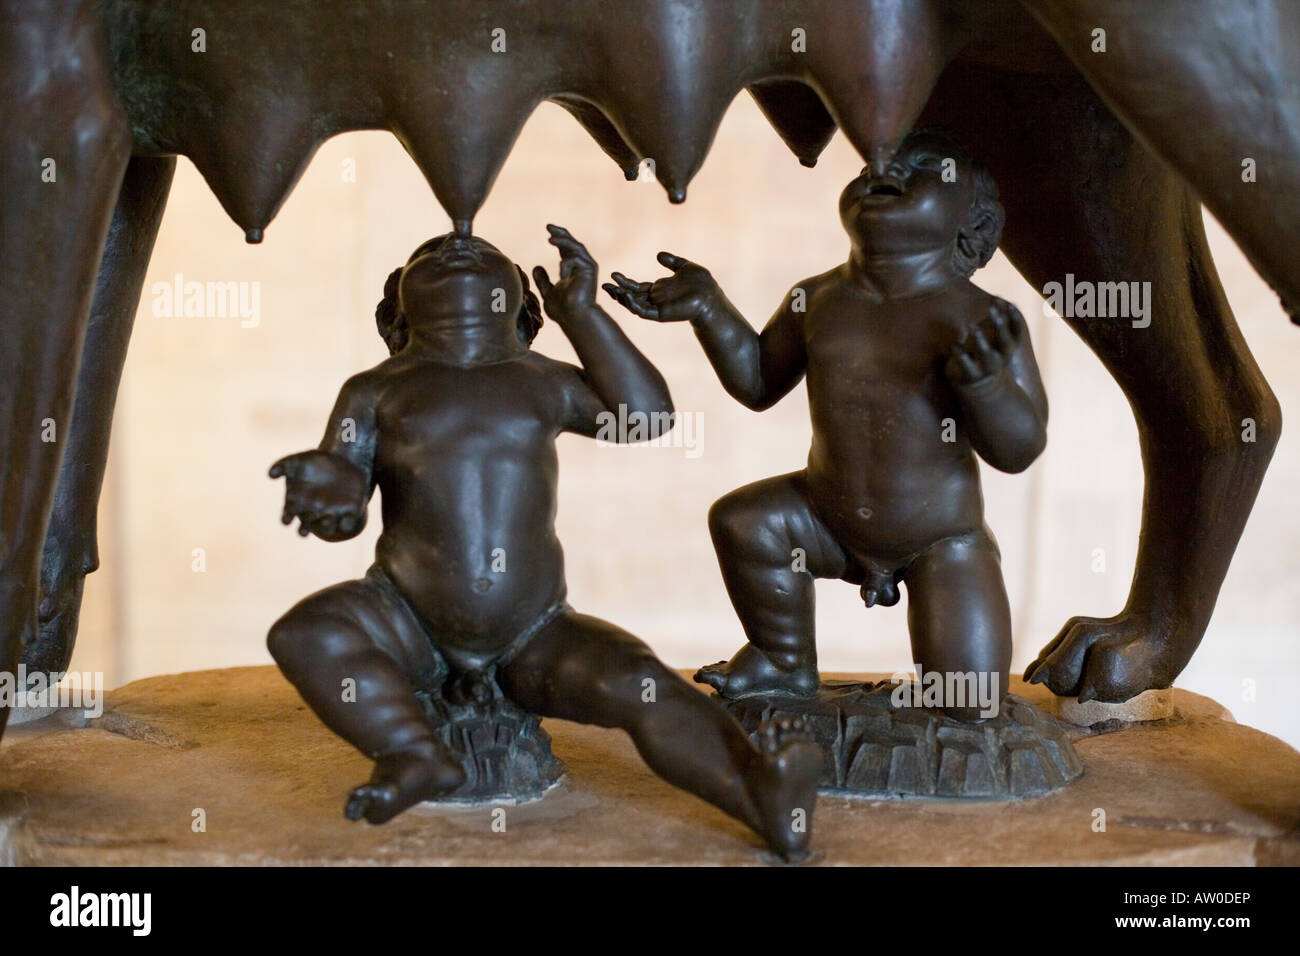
point(467, 596)
point(100, 95)
point(912, 370)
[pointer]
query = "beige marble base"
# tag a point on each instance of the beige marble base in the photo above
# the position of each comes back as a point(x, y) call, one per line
point(1146, 706)
point(270, 782)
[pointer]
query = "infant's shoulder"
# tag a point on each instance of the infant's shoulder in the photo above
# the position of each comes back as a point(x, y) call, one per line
point(973, 303)
point(395, 378)
point(809, 295)
point(535, 374)
point(378, 378)
point(369, 381)
point(535, 363)
point(830, 279)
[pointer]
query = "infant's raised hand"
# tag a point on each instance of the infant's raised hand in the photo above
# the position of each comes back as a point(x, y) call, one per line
point(326, 493)
point(987, 347)
point(576, 290)
point(690, 292)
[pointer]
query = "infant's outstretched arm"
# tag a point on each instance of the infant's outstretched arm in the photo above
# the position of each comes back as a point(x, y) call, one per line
point(996, 378)
point(756, 370)
point(328, 489)
point(614, 372)
point(351, 432)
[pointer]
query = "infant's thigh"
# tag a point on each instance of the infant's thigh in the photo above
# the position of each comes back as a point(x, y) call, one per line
point(772, 523)
point(957, 609)
point(581, 668)
point(349, 618)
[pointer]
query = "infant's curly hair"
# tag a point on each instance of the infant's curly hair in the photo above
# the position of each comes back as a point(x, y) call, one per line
point(392, 323)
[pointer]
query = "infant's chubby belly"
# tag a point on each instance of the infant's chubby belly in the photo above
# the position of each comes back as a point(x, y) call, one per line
point(889, 516)
point(475, 600)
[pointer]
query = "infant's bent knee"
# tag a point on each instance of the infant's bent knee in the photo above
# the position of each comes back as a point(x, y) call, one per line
point(284, 639)
point(728, 517)
point(296, 637)
point(739, 522)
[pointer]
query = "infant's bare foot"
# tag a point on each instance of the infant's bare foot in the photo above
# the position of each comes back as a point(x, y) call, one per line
point(751, 672)
point(783, 785)
point(402, 779)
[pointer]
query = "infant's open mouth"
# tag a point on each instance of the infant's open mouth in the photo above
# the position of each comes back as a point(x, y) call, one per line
point(459, 260)
point(884, 187)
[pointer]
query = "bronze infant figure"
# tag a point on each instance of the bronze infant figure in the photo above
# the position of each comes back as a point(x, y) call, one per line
point(457, 429)
point(912, 371)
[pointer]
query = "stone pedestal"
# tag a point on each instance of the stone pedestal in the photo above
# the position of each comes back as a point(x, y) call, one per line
point(1100, 716)
point(229, 766)
point(877, 743)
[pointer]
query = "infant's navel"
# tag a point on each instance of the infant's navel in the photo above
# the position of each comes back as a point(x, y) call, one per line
point(864, 512)
point(481, 585)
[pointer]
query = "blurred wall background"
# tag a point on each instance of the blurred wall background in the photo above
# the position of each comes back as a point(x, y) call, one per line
point(196, 565)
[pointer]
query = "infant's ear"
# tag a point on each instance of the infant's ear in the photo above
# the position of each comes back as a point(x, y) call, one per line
point(968, 246)
point(530, 311)
point(386, 310)
point(977, 240)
